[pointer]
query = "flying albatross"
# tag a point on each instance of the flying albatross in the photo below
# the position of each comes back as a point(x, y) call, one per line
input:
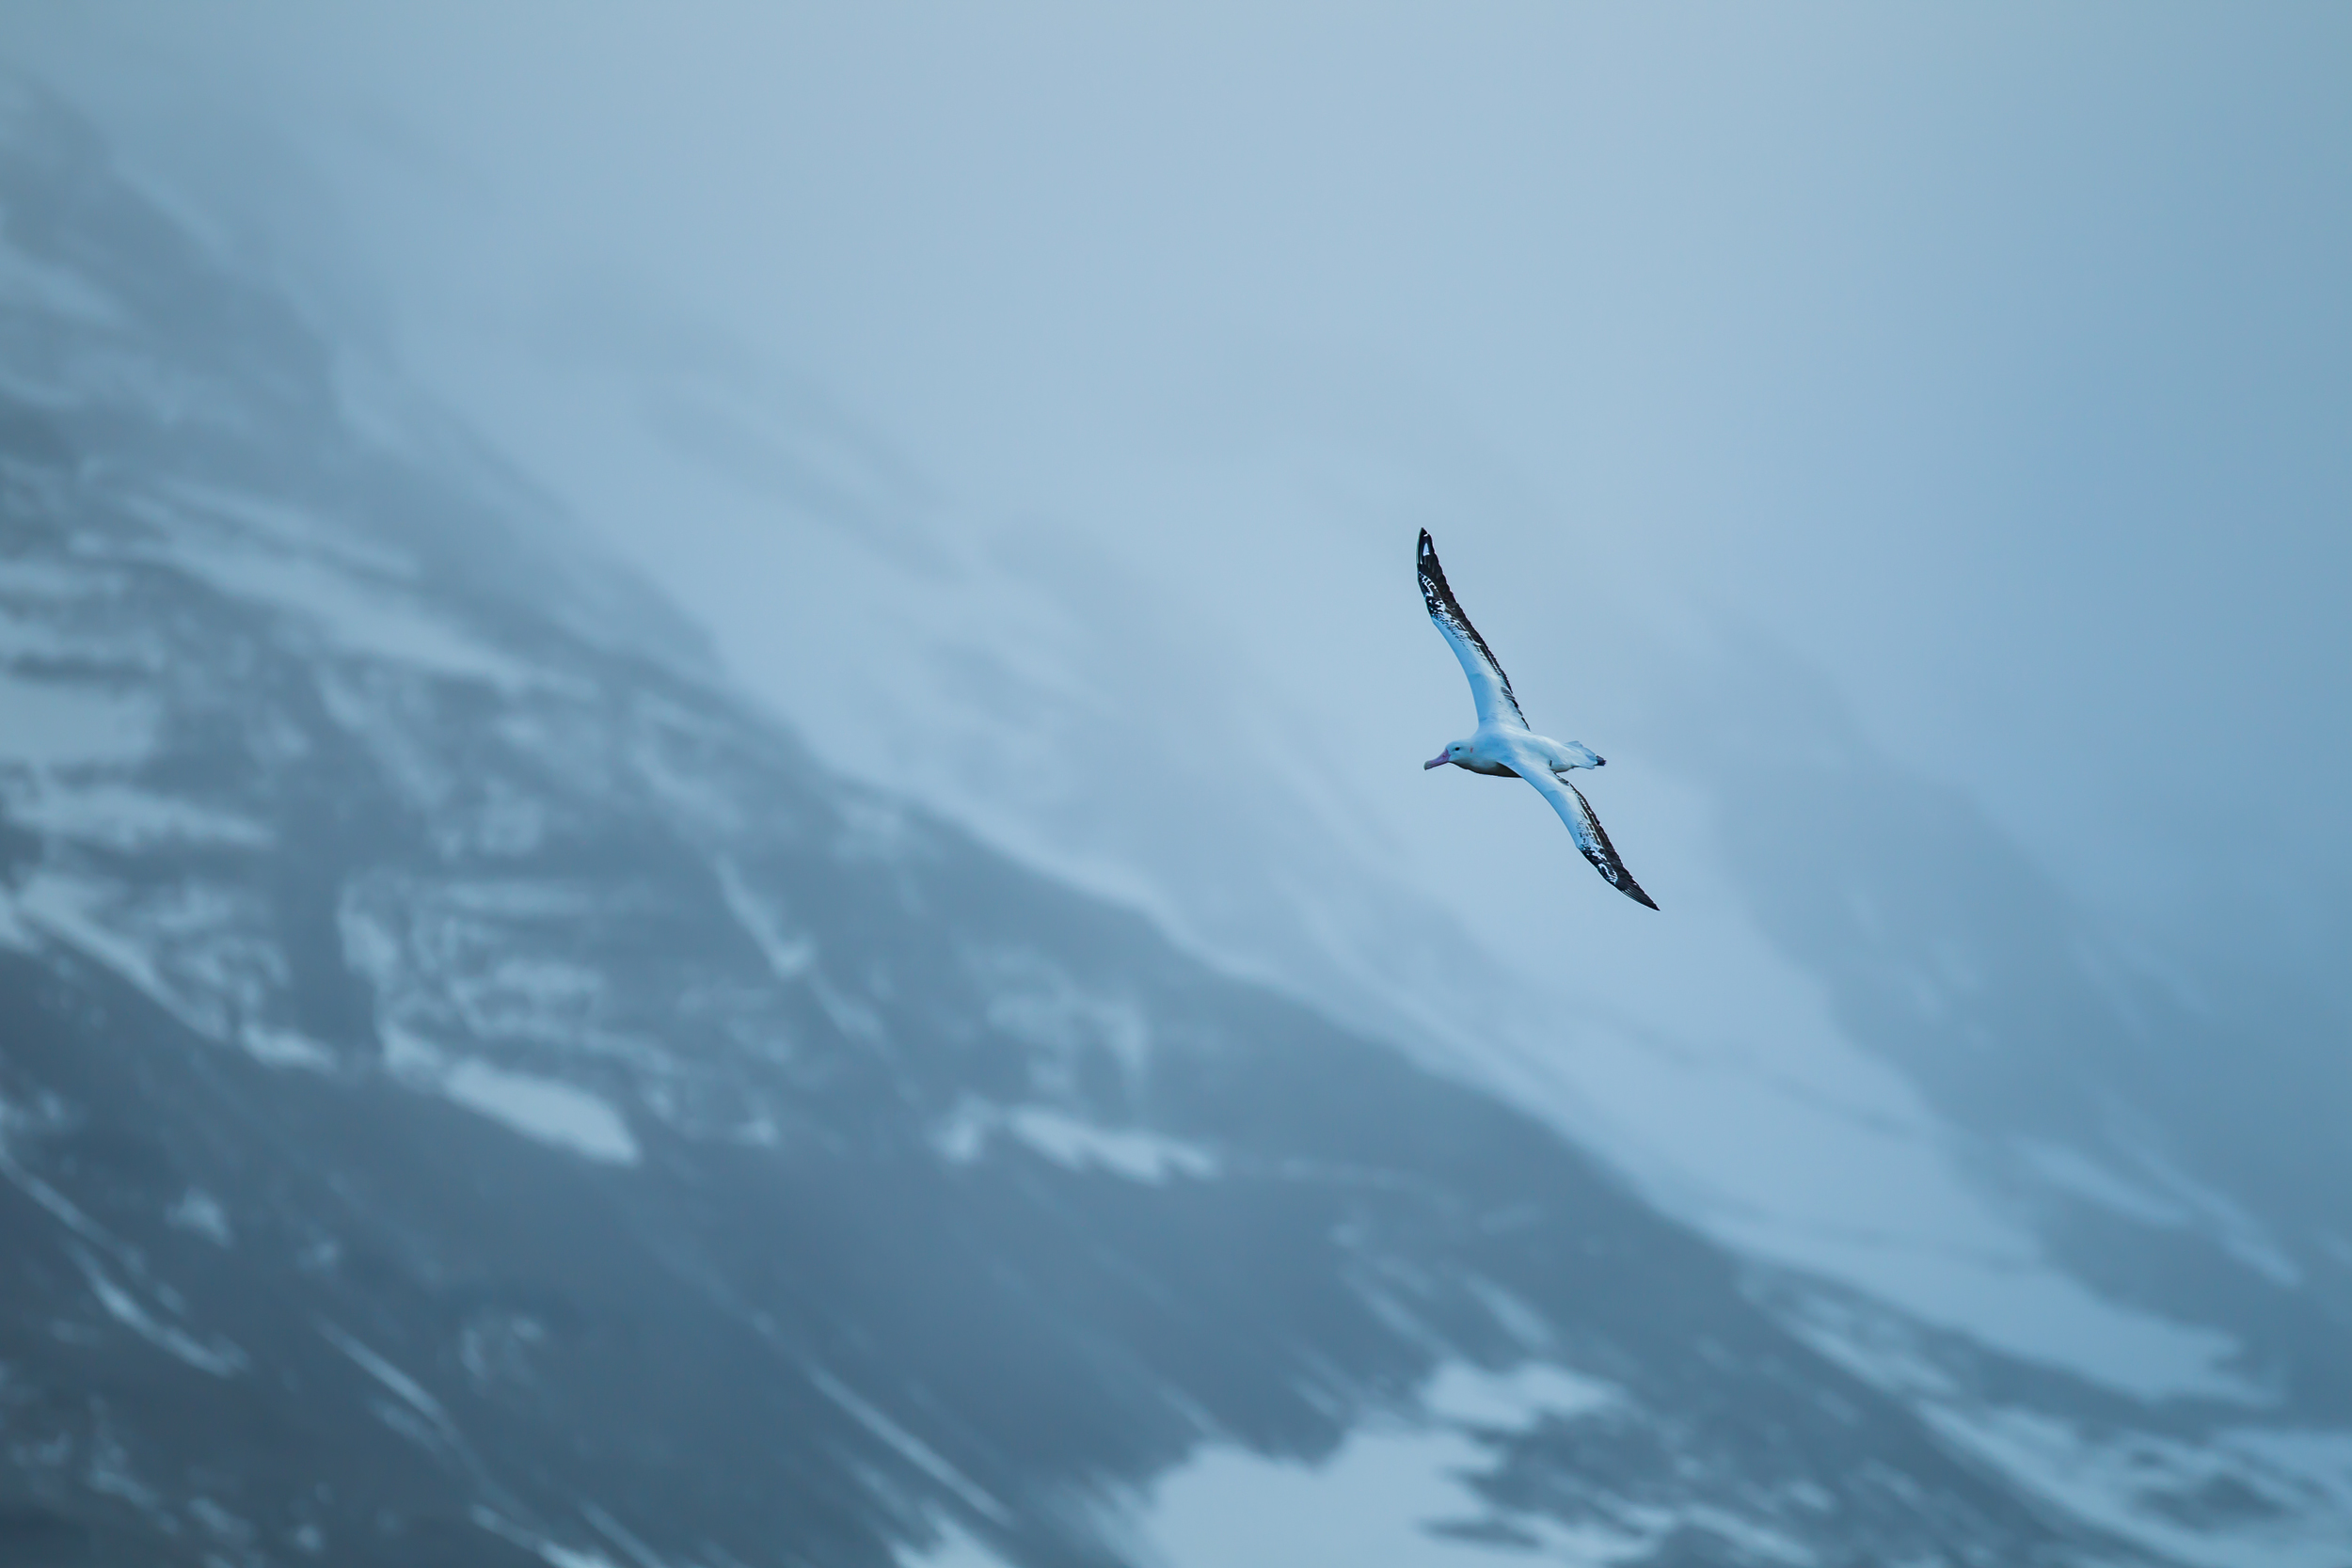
point(1503, 745)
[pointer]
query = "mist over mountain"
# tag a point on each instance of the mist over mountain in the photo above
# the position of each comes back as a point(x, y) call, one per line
point(479, 1089)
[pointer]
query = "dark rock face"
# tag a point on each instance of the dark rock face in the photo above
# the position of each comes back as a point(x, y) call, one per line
point(471, 1092)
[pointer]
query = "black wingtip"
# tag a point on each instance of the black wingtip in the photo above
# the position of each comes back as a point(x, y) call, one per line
point(1434, 591)
point(1613, 870)
point(1603, 855)
point(1617, 877)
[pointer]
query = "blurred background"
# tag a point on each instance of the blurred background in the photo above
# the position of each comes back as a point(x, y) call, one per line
point(1914, 446)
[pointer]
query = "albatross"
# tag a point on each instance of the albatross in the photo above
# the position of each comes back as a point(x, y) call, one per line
point(1502, 745)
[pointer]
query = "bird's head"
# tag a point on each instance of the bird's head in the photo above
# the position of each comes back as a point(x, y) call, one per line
point(1457, 753)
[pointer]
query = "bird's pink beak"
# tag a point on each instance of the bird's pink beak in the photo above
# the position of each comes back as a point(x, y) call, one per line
point(1437, 761)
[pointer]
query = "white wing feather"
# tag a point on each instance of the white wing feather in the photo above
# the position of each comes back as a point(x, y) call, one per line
point(1490, 689)
point(1583, 825)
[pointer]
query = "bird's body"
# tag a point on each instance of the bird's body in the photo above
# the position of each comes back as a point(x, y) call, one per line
point(1503, 746)
point(1491, 747)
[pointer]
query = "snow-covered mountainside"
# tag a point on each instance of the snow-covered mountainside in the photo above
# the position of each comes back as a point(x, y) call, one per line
point(474, 1091)
point(2082, 1205)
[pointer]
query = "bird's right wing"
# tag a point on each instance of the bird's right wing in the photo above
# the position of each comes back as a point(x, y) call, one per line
point(1583, 826)
point(1490, 689)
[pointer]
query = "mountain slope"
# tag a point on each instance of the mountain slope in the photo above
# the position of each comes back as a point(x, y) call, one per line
point(474, 1092)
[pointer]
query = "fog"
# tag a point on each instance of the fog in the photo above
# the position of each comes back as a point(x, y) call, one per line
point(1914, 446)
point(1994, 363)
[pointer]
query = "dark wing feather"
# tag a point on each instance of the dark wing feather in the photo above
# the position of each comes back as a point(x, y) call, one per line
point(1583, 827)
point(1488, 683)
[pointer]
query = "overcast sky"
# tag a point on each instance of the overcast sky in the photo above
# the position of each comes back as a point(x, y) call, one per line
point(1994, 360)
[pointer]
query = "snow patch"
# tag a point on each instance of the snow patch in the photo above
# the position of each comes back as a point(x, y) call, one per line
point(789, 956)
point(277, 524)
point(1058, 1019)
point(2175, 1202)
point(1399, 1493)
point(2015, 1302)
point(199, 1214)
point(1473, 1397)
point(284, 1048)
point(1376, 1500)
point(351, 617)
point(2073, 1172)
point(1137, 1153)
point(62, 907)
point(121, 817)
point(1816, 1157)
point(911, 1448)
point(411, 1392)
point(546, 1109)
point(2247, 1497)
point(219, 1522)
point(529, 998)
point(221, 1359)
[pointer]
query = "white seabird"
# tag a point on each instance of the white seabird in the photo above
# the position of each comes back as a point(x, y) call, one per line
point(1502, 745)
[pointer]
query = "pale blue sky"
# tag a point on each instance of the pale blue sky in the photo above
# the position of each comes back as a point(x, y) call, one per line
point(1996, 359)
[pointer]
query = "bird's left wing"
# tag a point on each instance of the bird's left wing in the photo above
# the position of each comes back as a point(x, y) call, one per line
point(1583, 826)
point(1490, 689)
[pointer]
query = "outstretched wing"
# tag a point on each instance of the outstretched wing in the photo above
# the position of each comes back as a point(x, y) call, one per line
point(1490, 689)
point(1583, 826)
